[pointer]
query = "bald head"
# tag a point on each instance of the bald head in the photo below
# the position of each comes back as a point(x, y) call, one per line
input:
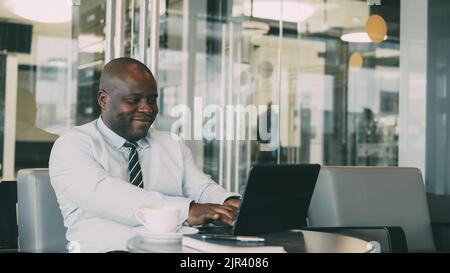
point(125, 70)
point(127, 95)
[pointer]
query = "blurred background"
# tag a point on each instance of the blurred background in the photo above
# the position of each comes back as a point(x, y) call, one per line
point(356, 83)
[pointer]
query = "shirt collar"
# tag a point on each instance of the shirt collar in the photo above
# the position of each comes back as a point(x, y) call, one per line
point(114, 139)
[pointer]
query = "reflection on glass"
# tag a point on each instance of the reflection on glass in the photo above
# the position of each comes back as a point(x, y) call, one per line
point(58, 70)
point(280, 67)
point(33, 144)
point(327, 113)
point(89, 31)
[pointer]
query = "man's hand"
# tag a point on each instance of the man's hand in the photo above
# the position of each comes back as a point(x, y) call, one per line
point(233, 202)
point(202, 213)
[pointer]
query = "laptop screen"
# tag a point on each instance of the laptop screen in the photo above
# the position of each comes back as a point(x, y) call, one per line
point(276, 198)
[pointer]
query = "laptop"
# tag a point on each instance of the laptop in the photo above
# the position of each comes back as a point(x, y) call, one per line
point(276, 199)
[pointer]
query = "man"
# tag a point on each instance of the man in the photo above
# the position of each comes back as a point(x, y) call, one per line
point(103, 171)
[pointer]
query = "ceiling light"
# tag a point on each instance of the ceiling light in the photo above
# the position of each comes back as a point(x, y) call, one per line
point(357, 37)
point(376, 28)
point(45, 11)
point(356, 60)
point(267, 9)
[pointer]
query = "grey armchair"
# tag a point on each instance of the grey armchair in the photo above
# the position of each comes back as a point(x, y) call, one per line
point(385, 197)
point(41, 227)
point(439, 205)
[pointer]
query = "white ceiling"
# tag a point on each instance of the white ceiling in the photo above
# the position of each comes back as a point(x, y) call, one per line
point(332, 13)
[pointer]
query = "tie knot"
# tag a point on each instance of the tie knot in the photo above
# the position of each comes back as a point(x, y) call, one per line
point(130, 144)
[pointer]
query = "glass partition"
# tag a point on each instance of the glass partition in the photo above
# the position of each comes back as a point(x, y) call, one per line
point(296, 88)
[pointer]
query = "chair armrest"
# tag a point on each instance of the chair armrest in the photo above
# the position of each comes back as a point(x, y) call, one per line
point(391, 239)
point(441, 234)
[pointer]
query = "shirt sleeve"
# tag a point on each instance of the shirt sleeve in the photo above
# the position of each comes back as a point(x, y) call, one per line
point(77, 177)
point(199, 186)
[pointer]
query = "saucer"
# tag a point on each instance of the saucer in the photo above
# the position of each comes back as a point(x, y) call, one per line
point(141, 230)
point(141, 244)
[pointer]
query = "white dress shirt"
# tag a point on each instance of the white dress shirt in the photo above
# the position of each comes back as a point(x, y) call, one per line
point(89, 171)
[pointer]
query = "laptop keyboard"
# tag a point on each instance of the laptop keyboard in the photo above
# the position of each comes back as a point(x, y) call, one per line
point(215, 227)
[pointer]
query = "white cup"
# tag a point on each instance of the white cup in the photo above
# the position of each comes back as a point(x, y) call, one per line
point(159, 220)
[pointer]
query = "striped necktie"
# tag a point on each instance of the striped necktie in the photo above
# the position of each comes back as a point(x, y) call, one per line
point(134, 168)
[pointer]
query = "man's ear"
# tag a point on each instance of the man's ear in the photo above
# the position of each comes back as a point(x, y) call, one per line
point(102, 97)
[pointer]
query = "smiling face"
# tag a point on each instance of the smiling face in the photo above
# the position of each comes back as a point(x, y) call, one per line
point(129, 102)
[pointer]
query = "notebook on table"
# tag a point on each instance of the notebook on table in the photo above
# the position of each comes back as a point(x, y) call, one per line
point(198, 242)
point(276, 199)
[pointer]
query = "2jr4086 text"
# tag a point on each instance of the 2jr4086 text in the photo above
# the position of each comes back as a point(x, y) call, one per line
point(232, 263)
